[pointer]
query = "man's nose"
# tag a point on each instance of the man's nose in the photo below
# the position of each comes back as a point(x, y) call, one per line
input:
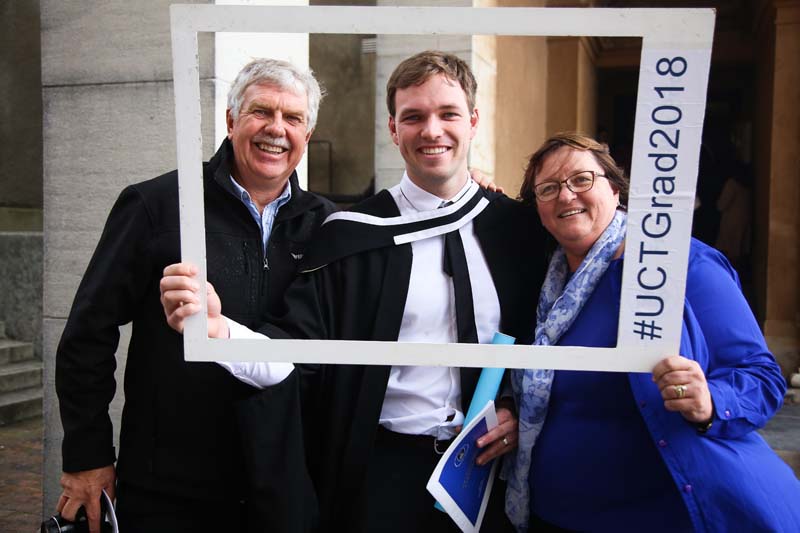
point(433, 129)
point(275, 126)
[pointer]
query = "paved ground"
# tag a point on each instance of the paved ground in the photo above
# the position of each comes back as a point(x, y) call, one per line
point(21, 466)
point(21, 476)
point(783, 434)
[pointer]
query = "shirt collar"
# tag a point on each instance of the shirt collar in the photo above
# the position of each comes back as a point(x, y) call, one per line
point(422, 200)
point(244, 196)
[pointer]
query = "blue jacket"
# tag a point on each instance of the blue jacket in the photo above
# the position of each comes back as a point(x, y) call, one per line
point(729, 477)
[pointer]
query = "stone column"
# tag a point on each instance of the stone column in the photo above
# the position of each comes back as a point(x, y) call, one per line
point(21, 173)
point(522, 91)
point(108, 122)
point(777, 206)
point(20, 120)
point(571, 85)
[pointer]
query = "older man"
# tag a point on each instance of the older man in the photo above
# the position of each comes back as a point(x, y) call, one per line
point(371, 434)
point(179, 465)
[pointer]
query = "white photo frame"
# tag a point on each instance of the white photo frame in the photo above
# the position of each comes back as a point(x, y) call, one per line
point(673, 79)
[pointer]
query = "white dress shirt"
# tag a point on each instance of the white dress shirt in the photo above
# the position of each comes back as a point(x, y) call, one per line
point(420, 400)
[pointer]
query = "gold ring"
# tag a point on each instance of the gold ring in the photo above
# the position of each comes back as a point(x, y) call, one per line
point(505, 441)
point(680, 391)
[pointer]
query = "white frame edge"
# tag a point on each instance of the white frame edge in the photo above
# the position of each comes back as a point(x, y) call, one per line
point(665, 33)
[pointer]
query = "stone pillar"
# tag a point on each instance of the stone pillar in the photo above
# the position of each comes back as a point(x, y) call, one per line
point(108, 122)
point(20, 119)
point(484, 67)
point(571, 85)
point(21, 173)
point(777, 154)
point(522, 88)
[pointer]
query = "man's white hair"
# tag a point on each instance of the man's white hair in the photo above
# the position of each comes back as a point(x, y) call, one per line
point(281, 73)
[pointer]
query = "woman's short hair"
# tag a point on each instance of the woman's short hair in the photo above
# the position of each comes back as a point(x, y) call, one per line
point(578, 141)
point(282, 74)
point(418, 68)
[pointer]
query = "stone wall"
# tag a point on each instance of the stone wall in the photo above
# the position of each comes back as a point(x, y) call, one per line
point(21, 286)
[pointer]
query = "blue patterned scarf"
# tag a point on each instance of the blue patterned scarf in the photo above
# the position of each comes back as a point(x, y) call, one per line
point(559, 305)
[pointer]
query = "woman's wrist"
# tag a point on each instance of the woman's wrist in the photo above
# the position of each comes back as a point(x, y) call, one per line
point(703, 427)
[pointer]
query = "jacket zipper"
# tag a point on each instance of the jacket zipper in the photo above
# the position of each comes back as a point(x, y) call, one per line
point(263, 278)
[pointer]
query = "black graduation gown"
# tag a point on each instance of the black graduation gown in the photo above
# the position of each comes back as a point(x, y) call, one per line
point(361, 297)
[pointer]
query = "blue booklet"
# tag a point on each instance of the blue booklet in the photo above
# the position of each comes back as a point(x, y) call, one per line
point(460, 486)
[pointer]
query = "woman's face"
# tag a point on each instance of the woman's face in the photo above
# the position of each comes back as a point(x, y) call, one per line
point(576, 220)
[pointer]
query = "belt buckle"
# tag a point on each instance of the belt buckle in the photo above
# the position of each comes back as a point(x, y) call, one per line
point(436, 446)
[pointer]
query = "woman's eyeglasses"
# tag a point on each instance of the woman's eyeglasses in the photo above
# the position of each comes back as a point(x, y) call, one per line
point(549, 190)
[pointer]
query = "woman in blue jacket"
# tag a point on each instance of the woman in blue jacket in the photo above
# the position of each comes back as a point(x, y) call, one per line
point(673, 451)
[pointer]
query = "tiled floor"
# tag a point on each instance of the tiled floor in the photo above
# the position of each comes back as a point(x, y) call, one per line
point(21, 476)
point(21, 465)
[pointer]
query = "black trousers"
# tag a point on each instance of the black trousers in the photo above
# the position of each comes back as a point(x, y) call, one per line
point(144, 511)
point(396, 500)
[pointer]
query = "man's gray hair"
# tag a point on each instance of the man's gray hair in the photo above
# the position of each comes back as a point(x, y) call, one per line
point(281, 73)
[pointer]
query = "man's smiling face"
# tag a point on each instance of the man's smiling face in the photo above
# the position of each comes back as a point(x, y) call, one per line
point(270, 134)
point(433, 127)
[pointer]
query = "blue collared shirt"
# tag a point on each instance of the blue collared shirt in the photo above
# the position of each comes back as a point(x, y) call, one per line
point(266, 219)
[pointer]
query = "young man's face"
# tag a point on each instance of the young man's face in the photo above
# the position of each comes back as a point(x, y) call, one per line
point(433, 127)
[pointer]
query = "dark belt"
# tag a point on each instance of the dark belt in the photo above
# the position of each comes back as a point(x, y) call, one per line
point(425, 442)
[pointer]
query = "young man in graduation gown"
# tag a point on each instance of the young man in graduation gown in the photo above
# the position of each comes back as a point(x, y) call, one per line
point(433, 259)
